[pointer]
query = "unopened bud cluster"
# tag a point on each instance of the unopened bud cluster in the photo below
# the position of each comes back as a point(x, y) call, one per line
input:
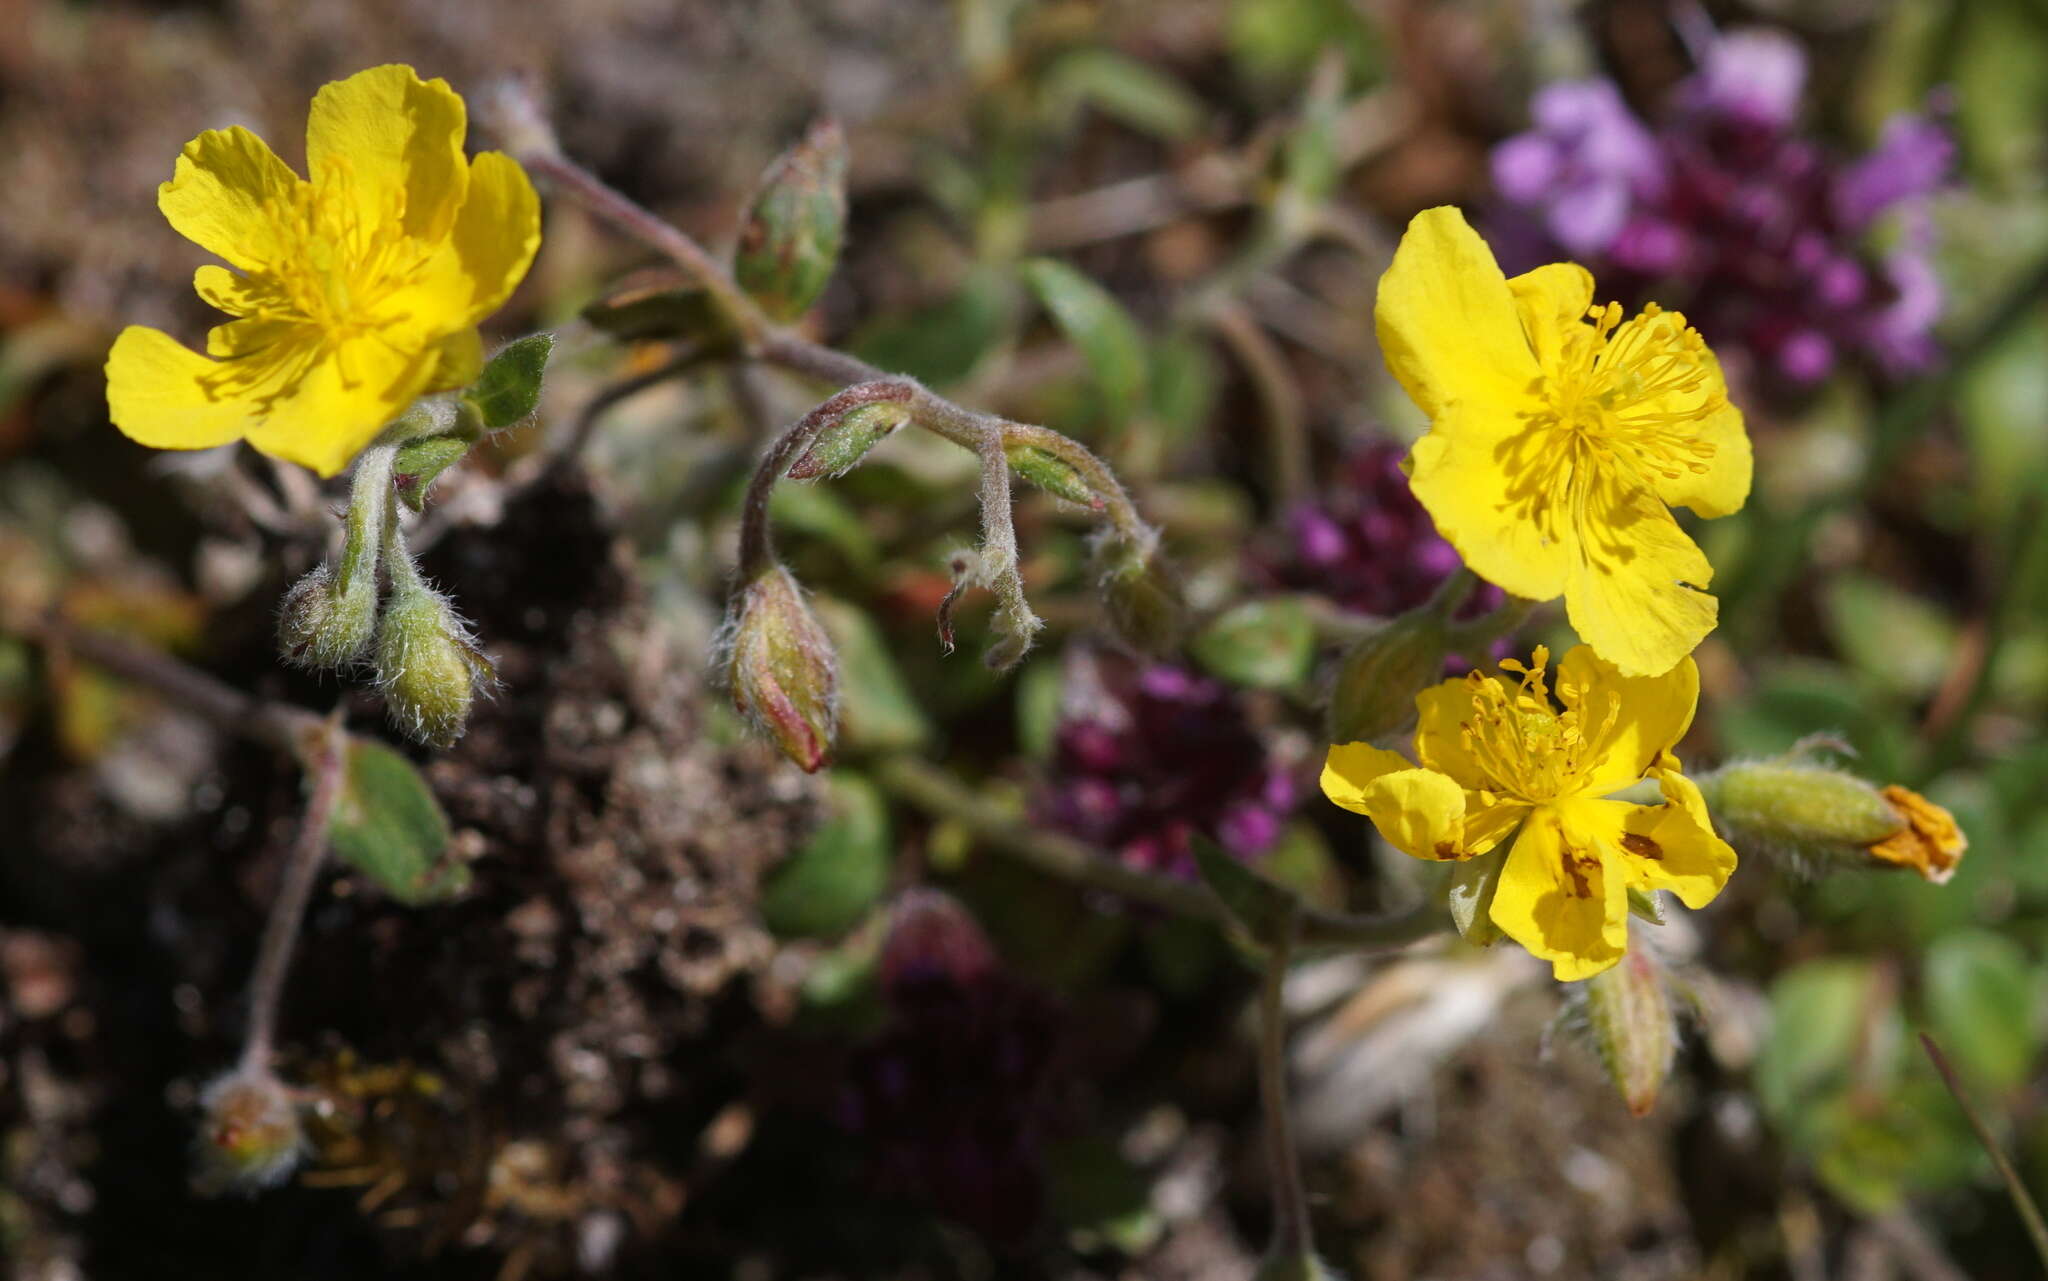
point(422, 655)
point(781, 667)
point(1817, 816)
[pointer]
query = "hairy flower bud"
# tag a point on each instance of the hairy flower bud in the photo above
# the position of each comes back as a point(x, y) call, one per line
point(794, 231)
point(1629, 1012)
point(1141, 598)
point(782, 668)
point(841, 444)
point(250, 1136)
point(322, 624)
point(1812, 812)
point(1377, 681)
point(428, 665)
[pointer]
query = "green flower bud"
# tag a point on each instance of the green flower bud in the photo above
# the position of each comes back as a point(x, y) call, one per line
point(322, 625)
point(250, 1136)
point(1469, 894)
point(782, 668)
point(428, 665)
point(1377, 681)
point(1629, 1011)
point(1140, 596)
point(1054, 475)
point(794, 231)
point(1799, 804)
point(840, 445)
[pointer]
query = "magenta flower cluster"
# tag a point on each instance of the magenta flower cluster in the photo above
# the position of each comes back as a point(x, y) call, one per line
point(1725, 209)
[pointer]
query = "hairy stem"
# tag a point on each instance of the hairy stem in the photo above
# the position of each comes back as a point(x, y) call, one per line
point(757, 540)
point(326, 761)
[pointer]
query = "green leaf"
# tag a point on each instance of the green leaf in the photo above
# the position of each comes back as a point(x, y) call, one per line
point(1127, 91)
point(1897, 642)
point(1264, 644)
point(1097, 323)
point(1981, 1002)
point(877, 711)
point(388, 826)
point(420, 462)
point(659, 302)
point(509, 388)
point(1820, 1014)
point(828, 885)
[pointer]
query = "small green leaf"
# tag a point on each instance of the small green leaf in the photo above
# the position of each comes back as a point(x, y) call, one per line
point(1097, 323)
point(1264, 644)
point(420, 462)
point(1126, 90)
point(1898, 642)
point(388, 826)
point(829, 884)
point(1982, 997)
point(509, 388)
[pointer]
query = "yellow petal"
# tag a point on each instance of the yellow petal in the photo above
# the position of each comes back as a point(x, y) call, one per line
point(1447, 321)
point(1418, 811)
point(1485, 478)
point(237, 294)
point(1669, 846)
point(1551, 300)
point(340, 404)
point(394, 142)
point(224, 193)
point(497, 232)
point(1489, 822)
point(1441, 713)
point(1723, 487)
point(164, 395)
point(1635, 590)
point(1651, 713)
point(1558, 899)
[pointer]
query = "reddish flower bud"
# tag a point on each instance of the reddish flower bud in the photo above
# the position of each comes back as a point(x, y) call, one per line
point(782, 668)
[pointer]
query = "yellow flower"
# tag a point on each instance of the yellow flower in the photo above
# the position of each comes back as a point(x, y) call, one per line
point(1930, 843)
point(1499, 759)
point(353, 293)
point(1560, 435)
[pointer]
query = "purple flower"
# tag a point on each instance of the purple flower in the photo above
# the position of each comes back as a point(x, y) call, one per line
point(1755, 232)
point(1583, 166)
point(1148, 756)
point(1912, 160)
point(1752, 77)
point(1366, 543)
point(959, 1093)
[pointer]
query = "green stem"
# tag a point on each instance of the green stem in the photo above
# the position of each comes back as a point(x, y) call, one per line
point(369, 509)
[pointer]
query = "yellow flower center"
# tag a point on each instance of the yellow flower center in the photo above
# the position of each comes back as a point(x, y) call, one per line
point(1631, 393)
point(338, 260)
point(1526, 747)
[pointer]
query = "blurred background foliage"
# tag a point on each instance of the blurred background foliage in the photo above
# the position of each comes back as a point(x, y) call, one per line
point(1157, 227)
